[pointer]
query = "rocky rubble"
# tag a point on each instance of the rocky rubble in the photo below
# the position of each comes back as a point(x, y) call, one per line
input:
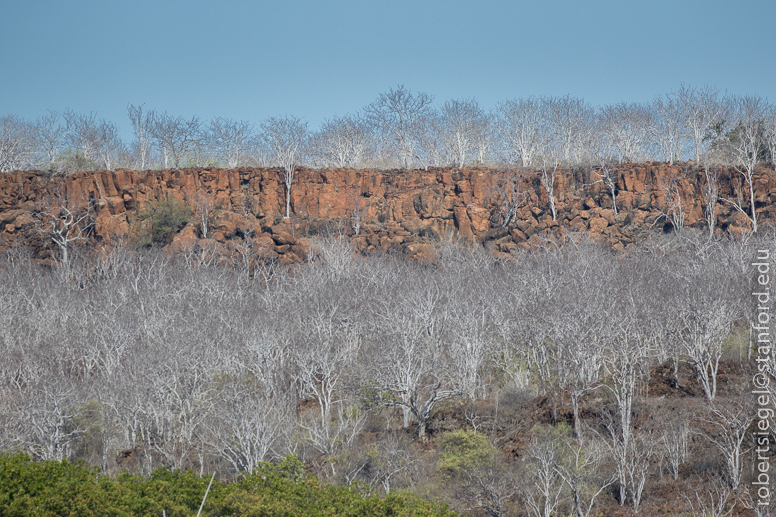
point(397, 211)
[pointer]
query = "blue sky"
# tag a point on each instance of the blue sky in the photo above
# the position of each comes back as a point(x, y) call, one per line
point(316, 59)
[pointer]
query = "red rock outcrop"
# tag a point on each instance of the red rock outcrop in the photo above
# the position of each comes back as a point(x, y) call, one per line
point(395, 210)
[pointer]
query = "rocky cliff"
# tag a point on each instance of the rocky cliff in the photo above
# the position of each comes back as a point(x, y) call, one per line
point(402, 211)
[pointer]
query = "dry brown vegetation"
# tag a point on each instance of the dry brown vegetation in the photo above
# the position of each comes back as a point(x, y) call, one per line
point(471, 379)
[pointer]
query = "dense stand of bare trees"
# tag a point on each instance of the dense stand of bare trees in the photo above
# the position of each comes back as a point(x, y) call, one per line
point(189, 364)
point(407, 129)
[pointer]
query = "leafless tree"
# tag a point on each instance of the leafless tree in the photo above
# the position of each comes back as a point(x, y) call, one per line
point(230, 139)
point(286, 137)
point(744, 144)
point(204, 206)
point(761, 508)
point(463, 126)
point(624, 129)
point(485, 139)
point(522, 129)
point(83, 134)
point(470, 339)
point(725, 427)
point(176, 137)
point(543, 489)
point(640, 459)
point(668, 127)
point(569, 122)
point(633, 458)
point(579, 356)
point(178, 405)
point(673, 210)
point(430, 150)
point(510, 192)
point(97, 141)
point(50, 136)
point(266, 354)
point(625, 364)
point(608, 175)
point(65, 221)
point(109, 144)
point(326, 339)
point(549, 169)
point(488, 487)
point(701, 109)
point(258, 154)
point(710, 497)
point(142, 126)
point(47, 411)
point(511, 356)
point(400, 114)
point(112, 338)
point(16, 143)
point(356, 205)
point(582, 469)
point(770, 133)
point(335, 256)
point(390, 459)
point(335, 438)
point(706, 314)
point(537, 316)
point(710, 195)
point(416, 372)
point(247, 425)
point(343, 141)
point(675, 436)
point(327, 344)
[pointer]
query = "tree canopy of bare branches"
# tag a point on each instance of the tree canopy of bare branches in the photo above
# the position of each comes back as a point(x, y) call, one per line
point(401, 116)
point(287, 138)
point(16, 143)
point(176, 137)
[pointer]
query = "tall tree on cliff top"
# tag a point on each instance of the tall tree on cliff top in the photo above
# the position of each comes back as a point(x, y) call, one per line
point(286, 137)
point(701, 109)
point(342, 142)
point(570, 122)
point(83, 135)
point(745, 145)
point(622, 130)
point(229, 139)
point(50, 137)
point(668, 127)
point(521, 129)
point(16, 143)
point(98, 141)
point(142, 128)
point(401, 114)
point(464, 124)
point(176, 137)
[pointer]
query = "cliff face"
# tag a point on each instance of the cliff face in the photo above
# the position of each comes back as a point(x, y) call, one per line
point(393, 210)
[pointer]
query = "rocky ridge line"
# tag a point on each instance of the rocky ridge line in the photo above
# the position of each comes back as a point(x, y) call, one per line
point(403, 211)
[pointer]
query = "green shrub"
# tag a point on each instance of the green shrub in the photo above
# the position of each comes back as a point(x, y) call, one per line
point(48, 488)
point(464, 450)
point(159, 221)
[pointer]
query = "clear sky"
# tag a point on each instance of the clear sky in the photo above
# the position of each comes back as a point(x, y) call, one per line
point(316, 59)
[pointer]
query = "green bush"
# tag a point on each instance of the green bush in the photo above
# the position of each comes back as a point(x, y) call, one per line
point(43, 489)
point(159, 221)
point(464, 450)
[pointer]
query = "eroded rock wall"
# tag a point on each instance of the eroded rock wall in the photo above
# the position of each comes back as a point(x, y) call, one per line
point(393, 210)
